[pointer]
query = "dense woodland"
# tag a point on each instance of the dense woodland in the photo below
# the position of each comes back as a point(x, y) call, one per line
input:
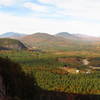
point(40, 75)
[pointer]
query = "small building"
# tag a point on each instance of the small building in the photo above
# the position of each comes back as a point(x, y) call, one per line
point(85, 62)
point(77, 71)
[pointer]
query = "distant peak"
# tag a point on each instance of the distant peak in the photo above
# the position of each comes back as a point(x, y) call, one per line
point(41, 33)
point(12, 34)
point(64, 34)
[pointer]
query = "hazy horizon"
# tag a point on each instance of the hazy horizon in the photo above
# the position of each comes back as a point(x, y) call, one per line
point(7, 33)
point(50, 16)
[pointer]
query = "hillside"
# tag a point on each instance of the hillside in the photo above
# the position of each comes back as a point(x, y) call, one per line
point(46, 41)
point(61, 41)
point(66, 35)
point(7, 44)
point(81, 37)
point(12, 78)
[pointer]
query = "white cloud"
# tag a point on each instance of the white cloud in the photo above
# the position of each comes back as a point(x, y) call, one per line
point(33, 24)
point(79, 8)
point(7, 2)
point(35, 7)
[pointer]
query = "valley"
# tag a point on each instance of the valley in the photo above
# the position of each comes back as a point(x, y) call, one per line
point(68, 65)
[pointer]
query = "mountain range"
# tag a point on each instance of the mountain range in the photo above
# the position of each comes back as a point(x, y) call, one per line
point(59, 41)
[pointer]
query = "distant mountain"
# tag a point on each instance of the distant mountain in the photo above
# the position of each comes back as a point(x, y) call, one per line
point(60, 41)
point(48, 42)
point(80, 37)
point(11, 44)
point(67, 35)
point(83, 36)
point(64, 34)
point(11, 35)
point(45, 41)
point(87, 37)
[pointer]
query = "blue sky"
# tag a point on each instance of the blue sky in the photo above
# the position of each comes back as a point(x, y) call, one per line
point(50, 16)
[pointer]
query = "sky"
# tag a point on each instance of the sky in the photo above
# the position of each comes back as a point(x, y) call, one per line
point(50, 16)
